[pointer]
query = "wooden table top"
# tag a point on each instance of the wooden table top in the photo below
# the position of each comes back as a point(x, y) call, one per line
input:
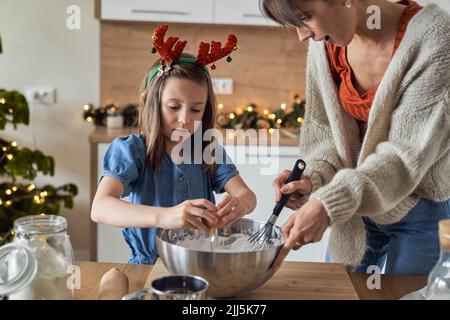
point(315, 281)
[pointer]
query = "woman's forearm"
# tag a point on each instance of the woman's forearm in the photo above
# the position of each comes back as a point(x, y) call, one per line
point(119, 213)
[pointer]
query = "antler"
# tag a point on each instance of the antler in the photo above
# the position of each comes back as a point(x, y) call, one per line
point(170, 50)
point(204, 57)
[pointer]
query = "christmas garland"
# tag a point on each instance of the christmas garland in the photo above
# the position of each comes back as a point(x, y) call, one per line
point(250, 118)
point(241, 118)
point(98, 115)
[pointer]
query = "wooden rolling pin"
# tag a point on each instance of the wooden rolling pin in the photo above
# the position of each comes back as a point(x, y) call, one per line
point(113, 285)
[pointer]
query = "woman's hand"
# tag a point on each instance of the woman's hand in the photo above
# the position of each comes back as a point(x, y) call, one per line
point(229, 210)
point(189, 214)
point(307, 225)
point(296, 189)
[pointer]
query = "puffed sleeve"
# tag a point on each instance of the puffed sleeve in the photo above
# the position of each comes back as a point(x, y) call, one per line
point(124, 161)
point(225, 170)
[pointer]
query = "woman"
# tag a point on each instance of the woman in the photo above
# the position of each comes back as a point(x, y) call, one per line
point(376, 137)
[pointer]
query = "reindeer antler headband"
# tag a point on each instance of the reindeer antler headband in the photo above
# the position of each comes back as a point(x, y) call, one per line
point(171, 51)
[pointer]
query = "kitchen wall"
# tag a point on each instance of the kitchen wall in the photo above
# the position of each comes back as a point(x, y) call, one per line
point(38, 49)
point(268, 68)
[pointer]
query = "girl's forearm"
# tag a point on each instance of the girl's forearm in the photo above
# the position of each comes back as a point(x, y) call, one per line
point(248, 200)
point(119, 213)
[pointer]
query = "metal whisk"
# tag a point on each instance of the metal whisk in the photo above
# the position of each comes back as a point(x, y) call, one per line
point(264, 234)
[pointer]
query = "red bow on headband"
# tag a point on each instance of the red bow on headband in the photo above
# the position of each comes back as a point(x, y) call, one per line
point(171, 49)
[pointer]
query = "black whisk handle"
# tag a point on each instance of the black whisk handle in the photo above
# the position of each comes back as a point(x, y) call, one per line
point(296, 173)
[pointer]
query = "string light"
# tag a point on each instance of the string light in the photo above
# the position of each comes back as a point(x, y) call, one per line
point(43, 194)
point(270, 130)
point(8, 203)
point(86, 107)
point(266, 112)
point(300, 120)
point(220, 106)
point(14, 188)
point(2, 100)
point(9, 156)
point(272, 116)
point(31, 187)
point(232, 116)
point(279, 121)
point(4, 149)
point(10, 110)
point(249, 108)
point(42, 214)
point(1, 202)
point(231, 135)
point(89, 119)
point(283, 106)
point(14, 144)
point(36, 199)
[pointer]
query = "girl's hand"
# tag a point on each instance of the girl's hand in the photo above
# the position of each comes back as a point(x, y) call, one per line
point(307, 225)
point(296, 189)
point(229, 210)
point(189, 214)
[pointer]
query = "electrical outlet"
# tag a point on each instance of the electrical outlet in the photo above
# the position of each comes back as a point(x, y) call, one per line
point(223, 85)
point(41, 95)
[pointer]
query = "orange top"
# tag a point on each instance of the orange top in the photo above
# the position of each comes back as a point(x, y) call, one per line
point(358, 106)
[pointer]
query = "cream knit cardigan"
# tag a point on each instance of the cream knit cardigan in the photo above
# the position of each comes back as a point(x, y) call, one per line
point(405, 154)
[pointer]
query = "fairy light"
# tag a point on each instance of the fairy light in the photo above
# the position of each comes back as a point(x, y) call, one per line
point(272, 116)
point(300, 120)
point(36, 199)
point(1, 202)
point(9, 156)
point(14, 189)
point(279, 121)
point(8, 191)
point(42, 214)
point(89, 119)
point(232, 116)
point(31, 187)
point(8, 203)
point(2, 100)
point(10, 110)
point(266, 112)
point(4, 149)
point(220, 106)
point(86, 107)
point(283, 106)
point(231, 135)
point(14, 144)
point(249, 108)
point(271, 130)
point(113, 109)
point(43, 194)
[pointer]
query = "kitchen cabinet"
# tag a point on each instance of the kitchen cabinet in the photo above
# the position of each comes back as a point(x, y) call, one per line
point(193, 11)
point(234, 12)
point(257, 168)
point(240, 13)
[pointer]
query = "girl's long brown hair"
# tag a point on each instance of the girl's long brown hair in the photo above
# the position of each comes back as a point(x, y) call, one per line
point(150, 126)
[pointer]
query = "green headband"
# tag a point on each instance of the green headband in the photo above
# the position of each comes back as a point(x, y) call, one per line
point(152, 74)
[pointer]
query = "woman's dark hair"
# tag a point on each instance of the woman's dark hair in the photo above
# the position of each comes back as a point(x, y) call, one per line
point(283, 12)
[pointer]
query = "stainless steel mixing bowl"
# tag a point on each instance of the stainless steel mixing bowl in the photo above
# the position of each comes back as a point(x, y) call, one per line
point(229, 273)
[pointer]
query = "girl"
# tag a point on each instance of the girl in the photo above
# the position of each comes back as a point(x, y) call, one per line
point(175, 99)
point(376, 132)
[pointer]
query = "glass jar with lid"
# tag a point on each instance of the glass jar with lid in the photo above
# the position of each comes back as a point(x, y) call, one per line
point(46, 237)
point(439, 278)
